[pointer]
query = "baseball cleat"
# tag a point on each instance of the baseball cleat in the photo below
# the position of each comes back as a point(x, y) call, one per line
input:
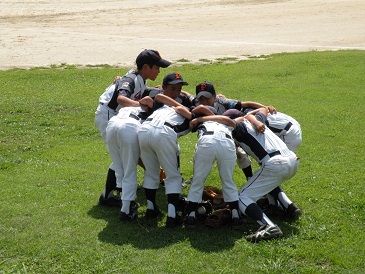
point(293, 212)
point(190, 222)
point(265, 232)
point(173, 222)
point(182, 203)
point(133, 213)
point(237, 223)
point(153, 213)
point(128, 217)
point(111, 201)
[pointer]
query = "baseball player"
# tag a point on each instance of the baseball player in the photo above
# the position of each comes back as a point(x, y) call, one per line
point(215, 143)
point(158, 141)
point(127, 91)
point(172, 85)
point(122, 143)
point(102, 115)
point(206, 95)
point(284, 126)
point(277, 164)
point(287, 129)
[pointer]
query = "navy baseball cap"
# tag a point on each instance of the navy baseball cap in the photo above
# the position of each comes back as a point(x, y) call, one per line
point(205, 89)
point(173, 78)
point(151, 57)
point(233, 113)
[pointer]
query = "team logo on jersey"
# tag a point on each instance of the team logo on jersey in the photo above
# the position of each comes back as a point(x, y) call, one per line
point(203, 86)
point(125, 85)
point(138, 96)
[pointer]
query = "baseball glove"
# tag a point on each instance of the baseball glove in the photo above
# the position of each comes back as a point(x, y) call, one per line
point(204, 210)
point(218, 218)
point(162, 176)
point(214, 196)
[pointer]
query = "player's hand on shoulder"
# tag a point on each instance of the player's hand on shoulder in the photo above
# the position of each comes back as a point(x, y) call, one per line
point(271, 109)
point(116, 78)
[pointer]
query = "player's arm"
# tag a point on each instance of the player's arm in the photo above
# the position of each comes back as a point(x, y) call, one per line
point(188, 95)
point(216, 118)
point(126, 102)
point(163, 99)
point(146, 103)
point(249, 104)
point(202, 110)
point(258, 125)
point(183, 111)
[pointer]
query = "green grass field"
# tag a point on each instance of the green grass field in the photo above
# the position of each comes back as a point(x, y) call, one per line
point(53, 164)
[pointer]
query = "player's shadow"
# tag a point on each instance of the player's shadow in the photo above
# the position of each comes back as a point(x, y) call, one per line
point(152, 234)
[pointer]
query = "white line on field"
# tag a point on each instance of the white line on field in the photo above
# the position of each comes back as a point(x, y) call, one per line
point(207, 41)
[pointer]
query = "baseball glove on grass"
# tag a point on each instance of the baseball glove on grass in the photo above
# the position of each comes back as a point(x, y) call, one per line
point(214, 196)
point(218, 218)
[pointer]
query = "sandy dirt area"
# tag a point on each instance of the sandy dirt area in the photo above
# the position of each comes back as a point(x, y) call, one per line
point(50, 32)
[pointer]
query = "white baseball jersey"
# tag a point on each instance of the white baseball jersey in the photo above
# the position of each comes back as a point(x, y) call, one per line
point(277, 162)
point(122, 143)
point(287, 128)
point(130, 85)
point(108, 106)
point(215, 143)
point(158, 140)
point(104, 112)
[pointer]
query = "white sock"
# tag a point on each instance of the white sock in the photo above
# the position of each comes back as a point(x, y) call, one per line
point(266, 220)
point(284, 200)
point(150, 205)
point(235, 213)
point(126, 206)
point(171, 211)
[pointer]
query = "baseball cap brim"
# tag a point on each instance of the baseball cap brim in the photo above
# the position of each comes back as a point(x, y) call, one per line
point(205, 94)
point(177, 81)
point(163, 63)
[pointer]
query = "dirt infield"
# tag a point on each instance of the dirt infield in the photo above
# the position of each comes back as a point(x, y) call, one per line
point(45, 32)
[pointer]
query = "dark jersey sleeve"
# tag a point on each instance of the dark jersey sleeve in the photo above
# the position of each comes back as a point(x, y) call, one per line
point(123, 86)
point(229, 103)
point(152, 92)
point(185, 101)
point(239, 132)
point(261, 117)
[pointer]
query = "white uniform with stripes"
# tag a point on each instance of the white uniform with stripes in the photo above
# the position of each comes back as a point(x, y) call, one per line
point(277, 162)
point(158, 140)
point(122, 143)
point(215, 143)
point(287, 128)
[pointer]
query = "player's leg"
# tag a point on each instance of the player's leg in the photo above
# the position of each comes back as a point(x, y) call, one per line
point(244, 162)
point(129, 153)
point(151, 171)
point(167, 151)
point(263, 181)
point(112, 144)
point(280, 198)
point(226, 158)
point(102, 116)
point(204, 158)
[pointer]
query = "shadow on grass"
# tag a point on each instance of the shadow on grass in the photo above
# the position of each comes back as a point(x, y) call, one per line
point(152, 234)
